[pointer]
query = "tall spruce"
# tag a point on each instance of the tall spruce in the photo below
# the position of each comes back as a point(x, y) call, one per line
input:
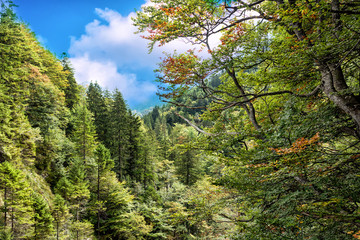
point(121, 221)
point(119, 129)
point(133, 164)
point(104, 165)
point(84, 134)
point(72, 90)
point(17, 212)
point(79, 197)
point(60, 214)
point(97, 105)
point(43, 220)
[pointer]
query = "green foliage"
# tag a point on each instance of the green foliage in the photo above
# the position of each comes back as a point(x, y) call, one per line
point(79, 192)
point(271, 153)
point(72, 90)
point(161, 228)
point(84, 134)
point(188, 162)
point(284, 122)
point(81, 230)
point(6, 234)
point(120, 221)
point(48, 140)
point(17, 213)
point(43, 220)
point(119, 128)
point(60, 214)
point(103, 158)
point(98, 106)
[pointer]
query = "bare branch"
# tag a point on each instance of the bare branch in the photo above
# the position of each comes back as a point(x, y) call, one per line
point(202, 131)
point(232, 219)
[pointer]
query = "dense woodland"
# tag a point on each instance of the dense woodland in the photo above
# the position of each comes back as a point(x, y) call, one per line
point(259, 139)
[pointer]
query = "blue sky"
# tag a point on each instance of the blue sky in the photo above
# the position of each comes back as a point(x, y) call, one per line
point(99, 38)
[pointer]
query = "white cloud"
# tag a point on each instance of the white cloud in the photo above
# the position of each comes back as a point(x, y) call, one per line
point(106, 74)
point(115, 40)
point(110, 53)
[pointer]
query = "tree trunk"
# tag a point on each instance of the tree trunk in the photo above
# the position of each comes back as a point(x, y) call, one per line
point(98, 198)
point(12, 216)
point(35, 231)
point(120, 162)
point(249, 107)
point(5, 207)
point(57, 230)
point(77, 220)
point(188, 168)
point(84, 137)
point(145, 168)
point(335, 88)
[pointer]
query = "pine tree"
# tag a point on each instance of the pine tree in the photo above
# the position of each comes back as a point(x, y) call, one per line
point(84, 135)
point(148, 164)
point(121, 222)
point(13, 52)
point(60, 214)
point(72, 91)
point(54, 154)
point(6, 234)
point(188, 164)
point(79, 191)
point(46, 110)
point(104, 165)
point(119, 127)
point(43, 220)
point(64, 188)
point(17, 209)
point(17, 138)
point(79, 196)
point(81, 230)
point(133, 164)
point(5, 129)
point(100, 110)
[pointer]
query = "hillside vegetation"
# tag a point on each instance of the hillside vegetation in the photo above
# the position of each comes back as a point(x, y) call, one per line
point(259, 138)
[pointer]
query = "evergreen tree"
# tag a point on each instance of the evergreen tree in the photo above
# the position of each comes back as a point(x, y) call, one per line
point(79, 195)
point(5, 128)
point(17, 207)
point(60, 214)
point(17, 138)
point(72, 90)
point(79, 191)
point(6, 234)
point(188, 164)
point(146, 161)
point(119, 128)
point(64, 188)
point(133, 169)
point(84, 135)
point(43, 220)
point(104, 165)
point(97, 105)
point(121, 222)
point(54, 154)
point(82, 230)
point(13, 53)
point(46, 110)
point(148, 166)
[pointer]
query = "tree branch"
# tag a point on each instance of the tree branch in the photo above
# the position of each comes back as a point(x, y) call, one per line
point(200, 130)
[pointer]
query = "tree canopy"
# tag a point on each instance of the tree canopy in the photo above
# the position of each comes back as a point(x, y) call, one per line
point(285, 117)
point(259, 138)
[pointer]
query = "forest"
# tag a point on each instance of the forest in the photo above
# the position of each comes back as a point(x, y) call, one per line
point(258, 137)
